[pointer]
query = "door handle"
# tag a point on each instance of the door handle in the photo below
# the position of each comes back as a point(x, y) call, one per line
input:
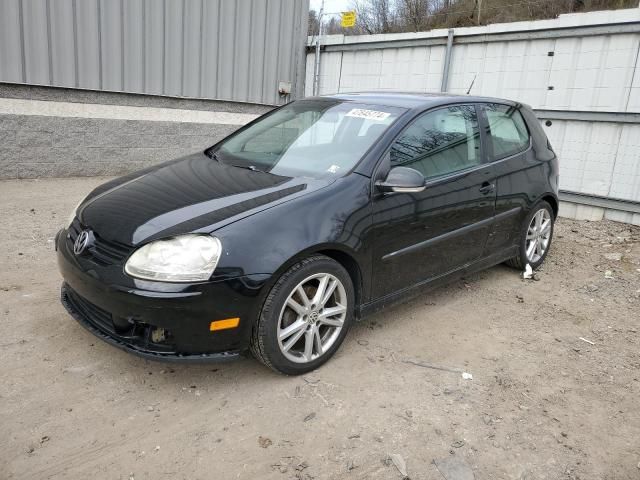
point(487, 188)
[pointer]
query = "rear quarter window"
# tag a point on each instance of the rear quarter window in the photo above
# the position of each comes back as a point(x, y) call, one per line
point(506, 129)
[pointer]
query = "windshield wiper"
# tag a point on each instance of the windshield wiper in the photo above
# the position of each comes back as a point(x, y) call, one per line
point(214, 155)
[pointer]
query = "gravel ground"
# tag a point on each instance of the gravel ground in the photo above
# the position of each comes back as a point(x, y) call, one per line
point(555, 392)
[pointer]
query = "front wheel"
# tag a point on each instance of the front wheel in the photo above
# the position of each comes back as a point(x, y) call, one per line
point(535, 237)
point(305, 317)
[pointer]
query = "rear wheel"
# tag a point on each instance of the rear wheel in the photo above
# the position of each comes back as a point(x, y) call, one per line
point(535, 237)
point(305, 317)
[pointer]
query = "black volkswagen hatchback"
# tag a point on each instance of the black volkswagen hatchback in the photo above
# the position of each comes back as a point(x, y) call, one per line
point(277, 238)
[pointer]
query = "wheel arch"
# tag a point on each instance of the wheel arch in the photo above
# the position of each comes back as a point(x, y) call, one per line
point(553, 201)
point(345, 258)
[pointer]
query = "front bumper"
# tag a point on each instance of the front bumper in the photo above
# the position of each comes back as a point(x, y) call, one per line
point(159, 321)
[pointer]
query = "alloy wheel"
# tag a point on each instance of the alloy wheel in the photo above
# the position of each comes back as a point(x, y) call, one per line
point(538, 235)
point(312, 318)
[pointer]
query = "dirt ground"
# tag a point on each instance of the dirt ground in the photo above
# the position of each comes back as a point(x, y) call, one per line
point(555, 392)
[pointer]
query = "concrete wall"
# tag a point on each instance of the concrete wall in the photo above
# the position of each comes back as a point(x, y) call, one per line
point(62, 132)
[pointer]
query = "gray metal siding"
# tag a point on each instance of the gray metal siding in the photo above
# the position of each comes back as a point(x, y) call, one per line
point(216, 49)
point(10, 42)
point(87, 44)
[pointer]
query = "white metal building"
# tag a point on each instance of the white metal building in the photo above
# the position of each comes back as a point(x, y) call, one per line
point(580, 73)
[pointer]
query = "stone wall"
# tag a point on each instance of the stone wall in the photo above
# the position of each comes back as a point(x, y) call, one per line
point(50, 132)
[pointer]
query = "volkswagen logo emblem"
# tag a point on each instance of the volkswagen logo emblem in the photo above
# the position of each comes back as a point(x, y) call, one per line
point(81, 242)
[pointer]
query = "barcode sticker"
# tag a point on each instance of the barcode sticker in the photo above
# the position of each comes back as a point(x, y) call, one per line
point(368, 114)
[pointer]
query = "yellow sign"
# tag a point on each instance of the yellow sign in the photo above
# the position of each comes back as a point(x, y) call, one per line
point(348, 19)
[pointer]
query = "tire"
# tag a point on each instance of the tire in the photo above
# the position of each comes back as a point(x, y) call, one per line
point(287, 322)
point(520, 261)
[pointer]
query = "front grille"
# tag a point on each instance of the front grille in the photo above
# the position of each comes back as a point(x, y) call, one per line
point(104, 252)
point(94, 314)
point(136, 334)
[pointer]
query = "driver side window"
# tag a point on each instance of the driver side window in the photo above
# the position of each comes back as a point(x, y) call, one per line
point(439, 142)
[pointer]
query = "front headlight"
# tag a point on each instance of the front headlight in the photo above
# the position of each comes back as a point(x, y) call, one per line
point(186, 258)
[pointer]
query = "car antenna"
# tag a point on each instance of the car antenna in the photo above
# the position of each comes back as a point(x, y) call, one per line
point(472, 82)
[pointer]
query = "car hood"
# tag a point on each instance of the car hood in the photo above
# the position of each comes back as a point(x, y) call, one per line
point(191, 194)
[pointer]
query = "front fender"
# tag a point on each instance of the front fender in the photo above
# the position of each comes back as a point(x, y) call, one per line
point(335, 218)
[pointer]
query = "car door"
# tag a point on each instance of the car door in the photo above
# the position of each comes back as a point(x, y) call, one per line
point(420, 236)
point(508, 147)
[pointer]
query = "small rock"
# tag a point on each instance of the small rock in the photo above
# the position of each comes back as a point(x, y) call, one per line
point(44, 439)
point(264, 442)
point(608, 274)
point(520, 298)
point(311, 416)
point(363, 343)
point(458, 444)
point(150, 408)
point(454, 468)
point(614, 256)
point(351, 465)
point(593, 288)
point(400, 464)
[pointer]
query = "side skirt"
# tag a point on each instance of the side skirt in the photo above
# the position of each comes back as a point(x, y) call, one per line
point(422, 287)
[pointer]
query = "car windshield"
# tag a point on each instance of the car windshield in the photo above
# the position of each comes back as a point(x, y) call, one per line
point(309, 138)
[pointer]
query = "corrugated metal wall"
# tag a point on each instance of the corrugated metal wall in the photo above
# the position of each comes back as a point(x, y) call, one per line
point(215, 49)
point(577, 65)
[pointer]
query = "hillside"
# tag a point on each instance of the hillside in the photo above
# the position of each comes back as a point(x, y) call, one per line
point(392, 16)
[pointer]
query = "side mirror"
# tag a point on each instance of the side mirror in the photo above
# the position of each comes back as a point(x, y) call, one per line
point(402, 180)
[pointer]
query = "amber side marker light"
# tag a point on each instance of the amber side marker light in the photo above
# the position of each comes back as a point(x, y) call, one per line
point(224, 324)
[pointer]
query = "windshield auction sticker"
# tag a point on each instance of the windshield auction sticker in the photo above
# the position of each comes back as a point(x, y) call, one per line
point(368, 114)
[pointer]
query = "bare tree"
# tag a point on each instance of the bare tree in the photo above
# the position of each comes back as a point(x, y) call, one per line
point(314, 23)
point(414, 14)
point(375, 16)
point(388, 16)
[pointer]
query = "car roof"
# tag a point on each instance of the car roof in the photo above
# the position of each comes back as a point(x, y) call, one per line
point(411, 100)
